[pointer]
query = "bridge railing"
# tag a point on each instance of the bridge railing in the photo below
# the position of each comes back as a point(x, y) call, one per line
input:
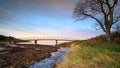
point(49, 38)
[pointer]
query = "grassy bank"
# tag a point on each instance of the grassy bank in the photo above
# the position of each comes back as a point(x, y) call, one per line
point(92, 55)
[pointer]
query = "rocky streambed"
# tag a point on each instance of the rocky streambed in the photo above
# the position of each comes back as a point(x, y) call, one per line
point(52, 60)
point(23, 56)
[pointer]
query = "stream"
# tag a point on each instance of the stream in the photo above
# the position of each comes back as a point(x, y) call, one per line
point(51, 61)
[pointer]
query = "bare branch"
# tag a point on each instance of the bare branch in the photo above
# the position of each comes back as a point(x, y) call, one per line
point(115, 2)
point(100, 9)
point(100, 23)
point(117, 19)
point(108, 4)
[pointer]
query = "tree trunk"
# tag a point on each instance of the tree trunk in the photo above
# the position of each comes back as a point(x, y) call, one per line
point(108, 35)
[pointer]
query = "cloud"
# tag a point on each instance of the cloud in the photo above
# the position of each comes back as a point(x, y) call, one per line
point(39, 6)
point(50, 32)
point(4, 15)
point(22, 18)
point(65, 6)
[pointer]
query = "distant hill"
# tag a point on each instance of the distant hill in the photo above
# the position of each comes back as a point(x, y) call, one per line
point(10, 38)
point(5, 38)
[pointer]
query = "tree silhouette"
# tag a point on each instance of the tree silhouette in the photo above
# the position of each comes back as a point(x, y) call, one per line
point(105, 12)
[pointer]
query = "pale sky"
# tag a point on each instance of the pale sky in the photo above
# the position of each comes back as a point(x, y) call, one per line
point(48, 18)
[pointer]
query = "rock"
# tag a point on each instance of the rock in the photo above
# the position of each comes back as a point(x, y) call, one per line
point(24, 55)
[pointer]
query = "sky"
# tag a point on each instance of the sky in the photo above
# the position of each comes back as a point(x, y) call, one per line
point(43, 18)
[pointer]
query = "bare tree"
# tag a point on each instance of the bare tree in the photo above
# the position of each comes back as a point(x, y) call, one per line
point(105, 12)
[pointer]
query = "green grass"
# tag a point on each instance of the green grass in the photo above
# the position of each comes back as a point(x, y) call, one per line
point(93, 55)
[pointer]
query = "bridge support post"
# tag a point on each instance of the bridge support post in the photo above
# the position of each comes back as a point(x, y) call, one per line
point(35, 42)
point(56, 42)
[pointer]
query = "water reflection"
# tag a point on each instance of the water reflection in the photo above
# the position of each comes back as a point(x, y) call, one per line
point(43, 42)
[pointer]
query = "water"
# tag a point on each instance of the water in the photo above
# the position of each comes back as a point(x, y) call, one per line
point(50, 62)
point(47, 42)
point(56, 56)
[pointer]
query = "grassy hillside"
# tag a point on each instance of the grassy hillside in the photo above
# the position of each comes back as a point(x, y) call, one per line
point(92, 56)
point(93, 53)
point(115, 38)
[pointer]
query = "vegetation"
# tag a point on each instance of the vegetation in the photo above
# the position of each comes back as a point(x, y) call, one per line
point(105, 12)
point(93, 53)
point(9, 39)
point(115, 38)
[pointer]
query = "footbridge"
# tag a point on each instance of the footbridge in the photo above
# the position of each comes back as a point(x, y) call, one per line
point(56, 39)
